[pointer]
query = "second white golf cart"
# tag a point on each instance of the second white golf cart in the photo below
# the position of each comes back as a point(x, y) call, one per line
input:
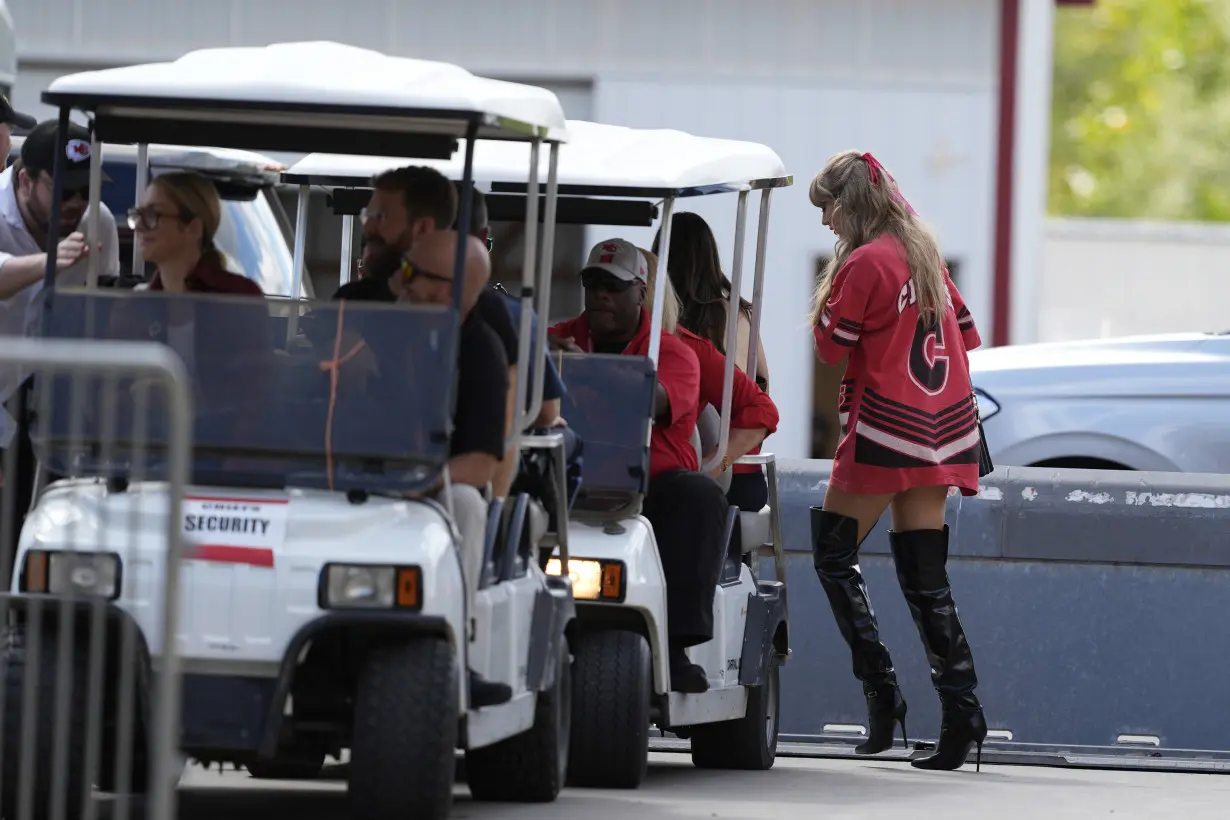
point(615, 176)
point(317, 602)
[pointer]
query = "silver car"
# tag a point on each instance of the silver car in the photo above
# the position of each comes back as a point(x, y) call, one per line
point(1133, 403)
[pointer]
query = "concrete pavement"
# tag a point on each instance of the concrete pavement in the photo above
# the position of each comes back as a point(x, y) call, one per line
point(795, 788)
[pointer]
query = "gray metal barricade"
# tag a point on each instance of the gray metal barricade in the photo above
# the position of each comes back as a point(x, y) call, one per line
point(1092, 600)
point(90, 701)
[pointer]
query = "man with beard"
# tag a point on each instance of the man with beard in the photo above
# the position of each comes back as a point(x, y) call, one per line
point(26, 191)
point(406, 204)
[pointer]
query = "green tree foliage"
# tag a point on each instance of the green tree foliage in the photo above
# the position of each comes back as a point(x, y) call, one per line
point(1141, 110)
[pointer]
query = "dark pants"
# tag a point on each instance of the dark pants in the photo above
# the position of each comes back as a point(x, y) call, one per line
point(19, 465)
point(748, 491)
point(688, 514)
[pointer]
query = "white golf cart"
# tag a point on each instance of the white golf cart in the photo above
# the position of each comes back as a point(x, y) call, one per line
point(614, 176)
point(320, 597)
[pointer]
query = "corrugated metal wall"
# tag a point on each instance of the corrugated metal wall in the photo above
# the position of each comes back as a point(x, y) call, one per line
point(912, 80)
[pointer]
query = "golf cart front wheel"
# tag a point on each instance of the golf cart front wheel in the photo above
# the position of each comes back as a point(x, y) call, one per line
point(612, 681)
point(402, 756)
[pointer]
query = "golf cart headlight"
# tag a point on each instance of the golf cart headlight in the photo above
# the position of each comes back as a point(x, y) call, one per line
point(361, 586)
point(987, 406)
point(56, 572)
point(592, 580)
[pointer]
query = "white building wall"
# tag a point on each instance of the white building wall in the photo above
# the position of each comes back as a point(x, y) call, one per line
point(1110, 277)
point(913, 81)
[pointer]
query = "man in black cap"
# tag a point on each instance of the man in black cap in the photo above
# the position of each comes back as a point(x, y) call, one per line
point(25, 215)
point(26, 191)
point(10, 119)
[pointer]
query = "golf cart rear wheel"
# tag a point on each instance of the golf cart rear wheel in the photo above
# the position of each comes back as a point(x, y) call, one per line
point(529, 767)
point(405, 732)
point(749, 742)
point(612, 680)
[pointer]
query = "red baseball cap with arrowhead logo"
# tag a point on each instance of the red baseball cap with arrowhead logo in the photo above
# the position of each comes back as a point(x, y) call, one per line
point(38, 153)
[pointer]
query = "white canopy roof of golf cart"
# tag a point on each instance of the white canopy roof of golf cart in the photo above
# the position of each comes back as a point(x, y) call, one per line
point(321, 75)
point(597, 159)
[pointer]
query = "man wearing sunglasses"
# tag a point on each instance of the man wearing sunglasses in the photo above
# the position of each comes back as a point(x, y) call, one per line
point(406, 205)
point(26, 191)
point(479, 413)
point(686, 509)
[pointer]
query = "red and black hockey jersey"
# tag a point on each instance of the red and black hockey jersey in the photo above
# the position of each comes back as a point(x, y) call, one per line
point(906, 406)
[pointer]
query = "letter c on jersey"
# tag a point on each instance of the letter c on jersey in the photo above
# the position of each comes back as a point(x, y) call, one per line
point(928, 368)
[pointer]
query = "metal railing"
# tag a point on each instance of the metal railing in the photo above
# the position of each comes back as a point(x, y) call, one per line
point(90, 696)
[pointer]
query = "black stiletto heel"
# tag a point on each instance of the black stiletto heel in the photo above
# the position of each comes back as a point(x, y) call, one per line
point(960, 732)
point(835, 546)
point(921, 557)
point(885, 709)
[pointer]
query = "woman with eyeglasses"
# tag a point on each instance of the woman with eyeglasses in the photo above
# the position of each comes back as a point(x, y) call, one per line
point(175, 225)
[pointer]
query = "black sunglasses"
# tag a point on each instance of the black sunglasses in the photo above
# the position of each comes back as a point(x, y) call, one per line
point(149, 217)
point(411, 271)
point(67, 193)
point(601, 280)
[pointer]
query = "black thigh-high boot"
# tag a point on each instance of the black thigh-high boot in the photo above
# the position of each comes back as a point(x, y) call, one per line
point(922, 557)
point(835, 546)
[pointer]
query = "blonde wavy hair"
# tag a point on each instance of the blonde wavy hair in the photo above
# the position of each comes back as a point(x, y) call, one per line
point(670, 308)
point(867, 203)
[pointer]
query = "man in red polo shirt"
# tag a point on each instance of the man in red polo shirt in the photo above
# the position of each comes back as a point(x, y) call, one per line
point(686, 509)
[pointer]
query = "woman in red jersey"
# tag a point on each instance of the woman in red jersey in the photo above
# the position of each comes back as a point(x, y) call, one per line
point(704, 290)
point(909, 432)
point(753, 415)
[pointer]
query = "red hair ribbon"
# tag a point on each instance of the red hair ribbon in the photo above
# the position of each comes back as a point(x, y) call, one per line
point(874, 169)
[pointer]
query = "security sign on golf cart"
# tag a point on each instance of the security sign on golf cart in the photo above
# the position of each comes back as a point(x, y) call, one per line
point(322, 601)
point(611, 175)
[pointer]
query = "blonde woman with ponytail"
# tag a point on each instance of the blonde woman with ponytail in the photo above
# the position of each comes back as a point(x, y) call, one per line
point(909, 432)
